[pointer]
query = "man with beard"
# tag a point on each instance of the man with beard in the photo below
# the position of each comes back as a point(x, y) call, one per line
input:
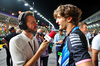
point(75, 51)
point(24, 48)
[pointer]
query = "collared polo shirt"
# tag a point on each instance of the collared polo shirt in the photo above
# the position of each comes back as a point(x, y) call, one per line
point(20, 49)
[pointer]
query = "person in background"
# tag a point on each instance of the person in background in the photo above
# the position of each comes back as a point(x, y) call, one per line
point(48, 31)
point(44, 55)
point(89, 35)
point(58, 38)
point(39, 32)
point(84, 29)
point(75, 51)
point(50, 43)
point(6, 40)
point(24, 47)
point(94, 34)
point(96, 50)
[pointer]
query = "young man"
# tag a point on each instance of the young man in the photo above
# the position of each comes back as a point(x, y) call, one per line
point(24, 48)
point(75, 51)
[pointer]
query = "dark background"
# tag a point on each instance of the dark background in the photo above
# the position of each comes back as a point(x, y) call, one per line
point(47, 7)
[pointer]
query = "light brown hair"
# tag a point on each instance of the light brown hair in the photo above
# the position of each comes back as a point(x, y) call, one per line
point(80, 24)
point(69, 10)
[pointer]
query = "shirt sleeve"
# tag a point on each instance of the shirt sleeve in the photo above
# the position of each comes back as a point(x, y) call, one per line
point(17, 54)
point(95, 43)
point(78, 49)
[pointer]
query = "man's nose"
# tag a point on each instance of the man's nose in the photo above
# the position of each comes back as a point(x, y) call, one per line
point(57, 21)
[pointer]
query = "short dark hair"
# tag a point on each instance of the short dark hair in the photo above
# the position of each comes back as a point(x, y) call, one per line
point(10, 29)
point(23, 16)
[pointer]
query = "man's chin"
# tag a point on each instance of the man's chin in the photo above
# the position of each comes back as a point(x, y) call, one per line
point(60, 27)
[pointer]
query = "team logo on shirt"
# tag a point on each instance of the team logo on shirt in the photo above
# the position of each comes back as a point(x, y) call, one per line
point(75, 40)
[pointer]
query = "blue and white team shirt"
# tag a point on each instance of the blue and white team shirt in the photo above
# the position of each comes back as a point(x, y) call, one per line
point(75, 50)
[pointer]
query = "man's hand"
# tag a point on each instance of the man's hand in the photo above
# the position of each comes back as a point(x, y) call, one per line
point(44, 45)
point(41, 49)
point(61, 41)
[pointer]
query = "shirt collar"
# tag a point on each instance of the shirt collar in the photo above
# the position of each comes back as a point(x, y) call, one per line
point(75, 28)
point(25, 37)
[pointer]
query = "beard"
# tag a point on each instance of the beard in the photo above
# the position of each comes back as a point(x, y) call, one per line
point(63, 27)
point(31, 30)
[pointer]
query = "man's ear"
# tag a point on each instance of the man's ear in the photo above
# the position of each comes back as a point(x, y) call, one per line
point(69, 19)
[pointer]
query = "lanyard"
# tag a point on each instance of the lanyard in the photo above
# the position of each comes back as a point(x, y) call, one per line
point(31, 46)
point(33, 51)
point(61, 37)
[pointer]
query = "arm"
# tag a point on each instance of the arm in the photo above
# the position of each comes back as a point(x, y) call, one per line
point(95, 50)
point(90, 49)
point(19, 55)
point(34, 59)
point(5, 41)
point(61, 41)
point(95, 57)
